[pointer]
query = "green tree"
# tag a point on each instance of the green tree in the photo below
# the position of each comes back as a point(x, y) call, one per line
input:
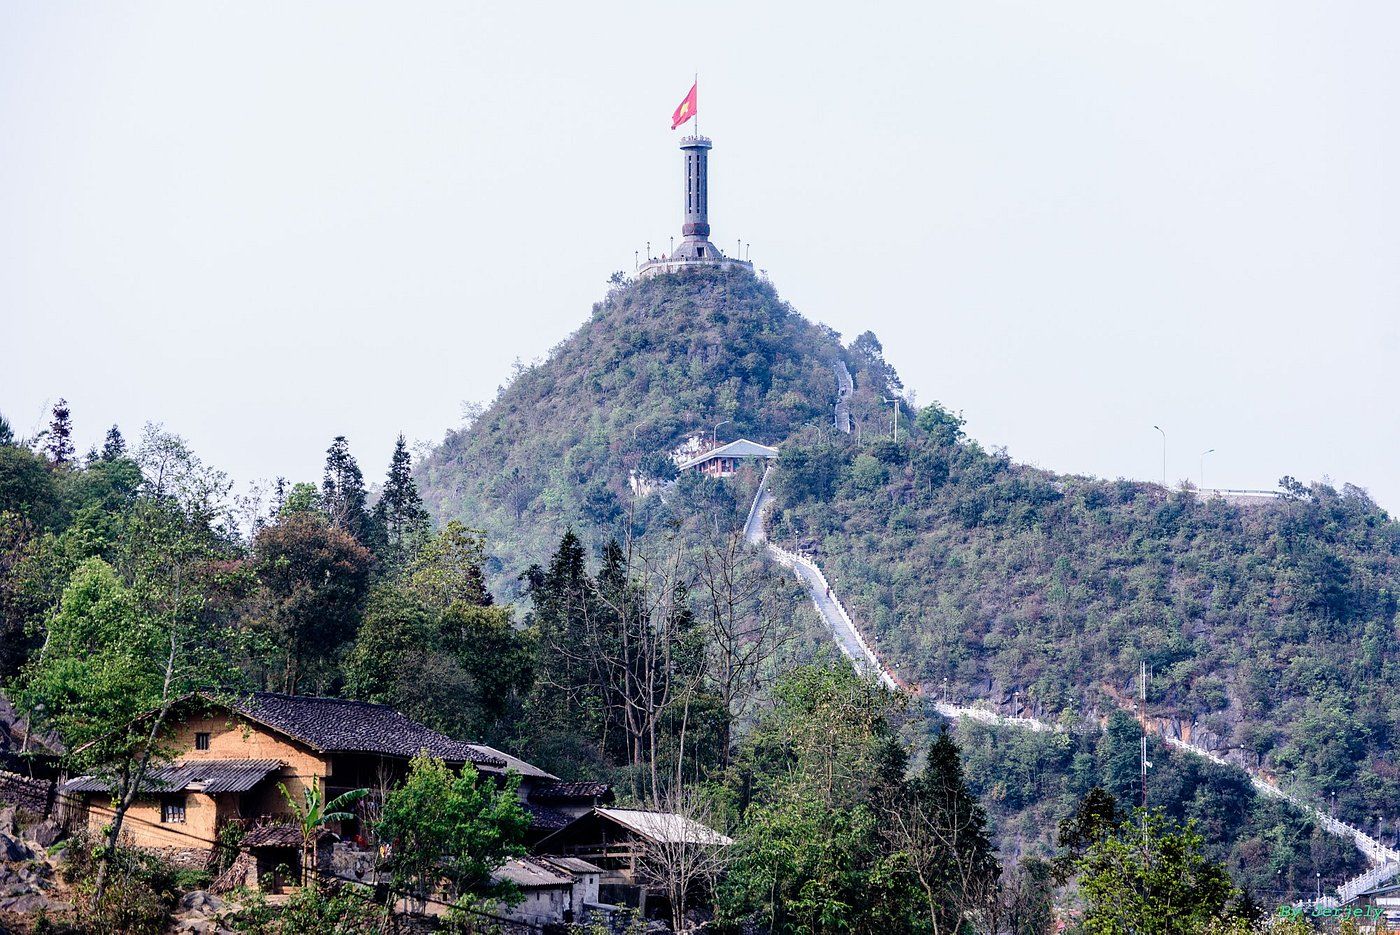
point(113, 446)
point(120, 652)
point(315, 577)
point(58, 443)
point(1152, 878)
point(445, 826)
point(343, 492)
point(448, 569)
point(940, 833)
point(301, 498)
point(399, 517)
point(1095, 818)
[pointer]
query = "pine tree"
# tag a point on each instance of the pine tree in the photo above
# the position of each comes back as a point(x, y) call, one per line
point(114, 446)
point(343, 491)
point(942, 831)
point(59, 446)
point(7, 433)
point(400, 520)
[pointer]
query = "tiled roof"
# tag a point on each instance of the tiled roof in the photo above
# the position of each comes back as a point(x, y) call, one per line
point(565, 792)
point(542, 817)
point(210, 776)
point(280, 834)
point(336, 725)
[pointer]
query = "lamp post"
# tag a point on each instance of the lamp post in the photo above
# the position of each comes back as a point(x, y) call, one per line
point(1164, 454)
point(895, 402)
point(716, 429)
point(1203, 466)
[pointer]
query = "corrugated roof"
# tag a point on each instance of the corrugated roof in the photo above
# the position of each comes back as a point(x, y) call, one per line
point(209, 776)
point(336, 725)
point(512, 762)
point(527, 874)
point(664, 827)
point(743, 448)
point(570, 864)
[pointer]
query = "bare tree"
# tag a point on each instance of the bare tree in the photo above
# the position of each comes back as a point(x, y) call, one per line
point(745, 631)
point(684, 856)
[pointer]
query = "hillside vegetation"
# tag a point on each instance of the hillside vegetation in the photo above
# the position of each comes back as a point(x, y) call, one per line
point(1269, 631)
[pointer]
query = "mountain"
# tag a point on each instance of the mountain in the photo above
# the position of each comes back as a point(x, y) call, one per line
point(1270, 629)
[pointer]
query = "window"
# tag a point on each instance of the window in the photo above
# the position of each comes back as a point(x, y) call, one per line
point(172, 810)
point(201, 740)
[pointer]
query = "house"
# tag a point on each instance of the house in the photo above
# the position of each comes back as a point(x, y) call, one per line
point(231, 757)
point(556, 890)
point(547, 893)
point(619, 841)
point(727, 459)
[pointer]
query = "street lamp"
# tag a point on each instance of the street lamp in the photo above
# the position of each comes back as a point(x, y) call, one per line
point(1203, 466)
point(1164, 454)
point(716, 429)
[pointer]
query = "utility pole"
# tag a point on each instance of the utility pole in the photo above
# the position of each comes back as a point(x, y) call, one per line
point(1142, 709)
point(895, 401)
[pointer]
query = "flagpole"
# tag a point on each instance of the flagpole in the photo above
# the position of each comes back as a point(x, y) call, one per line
point(697, 104)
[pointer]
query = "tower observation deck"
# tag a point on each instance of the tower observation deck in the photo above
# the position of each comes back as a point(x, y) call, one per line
point(695, 248)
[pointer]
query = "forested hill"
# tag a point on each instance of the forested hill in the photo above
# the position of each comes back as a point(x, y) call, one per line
point(658, 360)
point(1271, 631)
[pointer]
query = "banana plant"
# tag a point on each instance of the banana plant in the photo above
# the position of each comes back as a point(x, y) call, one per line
point(315, 814)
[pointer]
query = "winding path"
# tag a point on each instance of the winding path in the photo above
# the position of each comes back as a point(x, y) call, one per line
point(1385, 860)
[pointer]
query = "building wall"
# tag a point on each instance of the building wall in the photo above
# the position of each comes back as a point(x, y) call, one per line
point(541, 905)
point(231, 739)
point(142, 826)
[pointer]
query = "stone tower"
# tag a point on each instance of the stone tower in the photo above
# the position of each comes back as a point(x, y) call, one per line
point(695, 248)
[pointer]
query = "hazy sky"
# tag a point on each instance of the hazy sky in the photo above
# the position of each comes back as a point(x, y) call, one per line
point(268, 224)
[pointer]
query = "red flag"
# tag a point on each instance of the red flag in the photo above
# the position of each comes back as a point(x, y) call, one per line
point(686, 110)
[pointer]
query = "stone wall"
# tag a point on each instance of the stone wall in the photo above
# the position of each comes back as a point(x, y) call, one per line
point(35, 795)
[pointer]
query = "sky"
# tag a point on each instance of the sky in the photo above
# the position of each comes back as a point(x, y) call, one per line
point(267, 224)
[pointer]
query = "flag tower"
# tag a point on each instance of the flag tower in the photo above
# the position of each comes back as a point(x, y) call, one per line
point(695, 248)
